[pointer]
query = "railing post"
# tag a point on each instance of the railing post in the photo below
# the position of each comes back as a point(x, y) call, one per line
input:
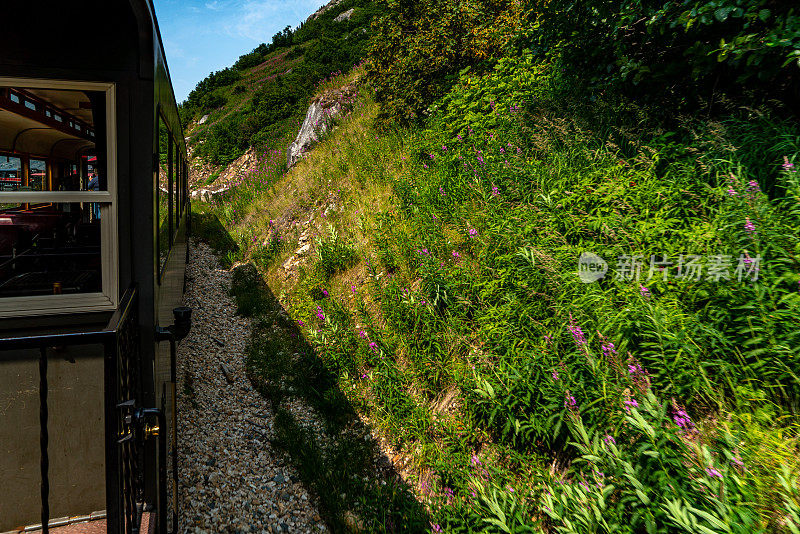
point(113, 487)
point(43, 441)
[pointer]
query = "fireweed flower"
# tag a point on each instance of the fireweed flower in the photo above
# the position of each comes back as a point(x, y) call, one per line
point(436, 528)
point(787, 165)
point(577, 333)
point(473, 232)
point(752, 187)
point(570, 403)
point(320, 314)
point(555, 375)
point(644, 291)
point(495, 191)
point(610, 439)
point(373, 346)
point(713, 473)
point(682, 419)
point(629, 404)
point(749, 227)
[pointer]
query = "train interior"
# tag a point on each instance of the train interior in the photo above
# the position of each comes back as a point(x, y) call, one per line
point(51, 141)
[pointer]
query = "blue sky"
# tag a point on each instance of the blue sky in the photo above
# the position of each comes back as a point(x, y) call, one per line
point(201, 36)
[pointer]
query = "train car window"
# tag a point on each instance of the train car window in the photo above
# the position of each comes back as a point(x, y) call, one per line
point(175, 189)
point(37, 175)
point(162, 190)
point(52, 244)
point(10, 173)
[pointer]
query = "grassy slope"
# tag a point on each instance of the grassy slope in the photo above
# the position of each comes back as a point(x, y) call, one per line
point(373, 358)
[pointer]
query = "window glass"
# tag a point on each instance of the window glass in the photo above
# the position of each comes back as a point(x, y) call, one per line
point(162, 191)
point(175, 181)
point(10, 173)
point(49, 250)
point(48, 246)
point(14, 97)
point(37, 175)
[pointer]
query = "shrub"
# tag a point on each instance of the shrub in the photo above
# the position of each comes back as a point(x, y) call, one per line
point(334, 253)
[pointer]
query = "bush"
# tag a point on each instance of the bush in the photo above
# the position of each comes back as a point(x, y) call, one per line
point(418, 47)
point(334, 253)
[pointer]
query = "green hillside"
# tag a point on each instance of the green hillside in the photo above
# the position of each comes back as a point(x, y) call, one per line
point(416, 279)
point(262, 97)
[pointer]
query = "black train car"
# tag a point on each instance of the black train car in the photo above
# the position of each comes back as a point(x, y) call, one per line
point(93, 244)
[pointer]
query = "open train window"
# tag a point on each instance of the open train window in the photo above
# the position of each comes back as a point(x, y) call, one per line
point(163, 187)
point(58, 242)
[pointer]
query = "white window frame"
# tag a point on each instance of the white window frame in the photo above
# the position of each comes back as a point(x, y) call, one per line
point(108, 298)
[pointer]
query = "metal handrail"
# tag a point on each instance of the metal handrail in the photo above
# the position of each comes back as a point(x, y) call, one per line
point(87, 337)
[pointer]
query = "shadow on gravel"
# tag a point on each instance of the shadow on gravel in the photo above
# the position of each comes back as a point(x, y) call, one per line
point(207, 226)
point(357, 488)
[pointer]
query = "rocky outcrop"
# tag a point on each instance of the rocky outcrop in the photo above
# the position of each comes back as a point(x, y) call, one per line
point(319, 118)
point(316, 122)
point(323, 9)
point(345, 15)
point(204, 189)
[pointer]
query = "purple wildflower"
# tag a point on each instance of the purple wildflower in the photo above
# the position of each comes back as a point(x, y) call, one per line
point(749, 227)
point(570, 403)
point(320, 314)
point(436, 528)
point(495, 191)
point(362, 334)
point(682, 419)
point(299, 322)
point(629, 404)
point(610, 439)
point(325, 292)
point(353, 289)
point(456, 254)
point(752, 187)
point(713, 473)
point(373, 346)
point(473, 232)
point(577, 333)
point(787, 165)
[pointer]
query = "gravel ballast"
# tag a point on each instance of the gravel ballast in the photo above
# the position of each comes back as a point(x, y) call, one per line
point(231, 478)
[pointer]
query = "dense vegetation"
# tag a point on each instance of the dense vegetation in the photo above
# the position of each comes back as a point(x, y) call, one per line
point(444, 303)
